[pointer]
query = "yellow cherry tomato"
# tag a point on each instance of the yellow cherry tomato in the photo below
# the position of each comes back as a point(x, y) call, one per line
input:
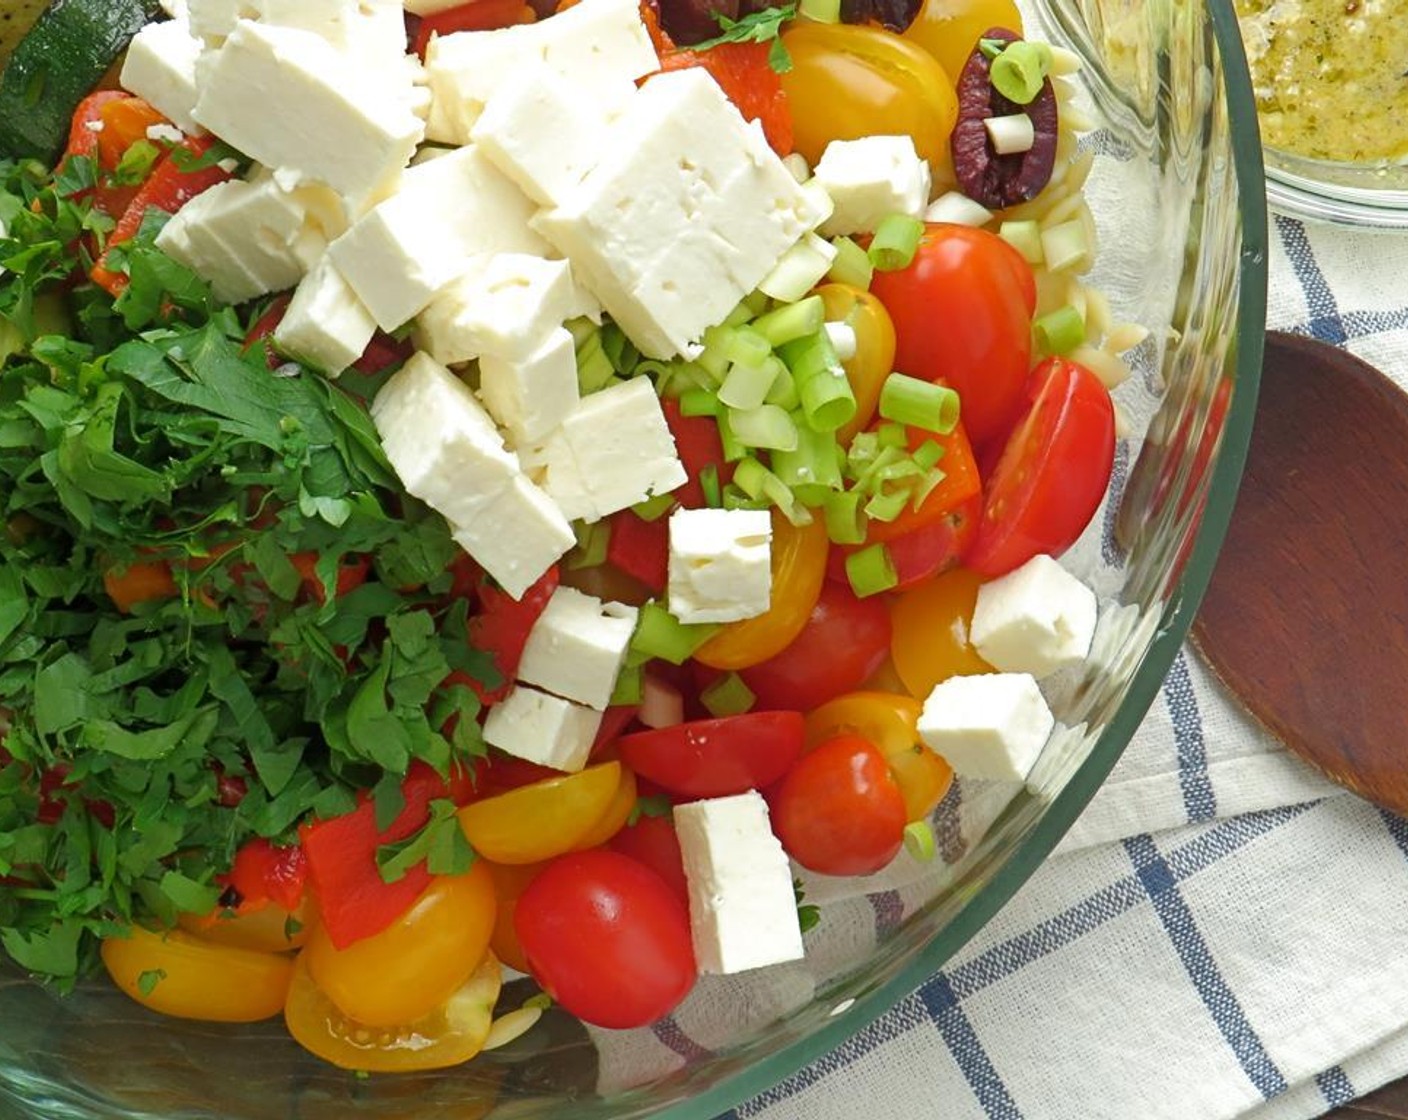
point(178, 975)
point(270, 929)
point(510, 881)
point(889, 721)
point(848, 81)
point(950, 29)
point(449, 1035)
point(875, 349)
point(414, 965)
point(798, 571)
point(618, 812)
point(538, 821)
point(929, 635)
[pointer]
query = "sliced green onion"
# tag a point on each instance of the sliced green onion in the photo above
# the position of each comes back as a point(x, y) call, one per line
point(843, 340)
point(919, 841)
point(1059, 331)
point(920, 404)
point(887, 505)
point(766, 426)
point(783, 391)
point(630, 686)
point(1019, 71)
point(928, 454)
point(750, 477)
point(792, 321)
point(747, 386)
point(852, 264)
point(800, 270)
point(797, 166)
point(592, 543)
point(741, 314)
point(826, 397)
point(709, 483)
point(728, 696)
point(958, 209)
point(580, 329)
point(1010, 135)
point(594, 368)
point(756, 303)
point(811, 469)
point(743, 346)
point(733, 449)
point(892, 434)
point(758, 483)
point(991, 48)
point(1025, 237)
point(871, 571)
point(820, 11)
point(652, 509)
point(1066, 246)
point(735, 498)
point(699, 402)
point(661, 634)
point(845, 523)
point(895, 242)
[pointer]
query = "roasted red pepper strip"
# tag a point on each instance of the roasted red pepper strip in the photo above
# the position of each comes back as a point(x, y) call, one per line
point(167, 188)
point(263, 874)
point(640, 548)
point(83, 136)
point(501, 624)
point(355, 902)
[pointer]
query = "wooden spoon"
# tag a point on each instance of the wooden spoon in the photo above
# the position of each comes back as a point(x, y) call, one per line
point(1306, 619)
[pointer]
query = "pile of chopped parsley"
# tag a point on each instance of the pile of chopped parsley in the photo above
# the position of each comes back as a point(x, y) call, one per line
point(143, 748)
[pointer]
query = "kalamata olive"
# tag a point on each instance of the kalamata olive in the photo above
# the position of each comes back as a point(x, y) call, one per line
point(893, 15)
point(693, 21)
point(994, 180)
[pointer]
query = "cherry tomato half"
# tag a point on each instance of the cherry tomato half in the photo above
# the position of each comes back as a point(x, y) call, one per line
point(937, 547)
point(717, 757)
point(843, 642)
point(607, 938)
point(962, 313)
point(653, 842)
point(541, 820)
point(874, 359)
point(1053, 472)
point(840, 811)
point(931, 625)
point(949, 29)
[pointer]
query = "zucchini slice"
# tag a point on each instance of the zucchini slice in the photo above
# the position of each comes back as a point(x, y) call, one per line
point(66, 53)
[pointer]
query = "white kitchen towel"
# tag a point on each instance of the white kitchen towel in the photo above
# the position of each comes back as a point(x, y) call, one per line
point(1222, 934)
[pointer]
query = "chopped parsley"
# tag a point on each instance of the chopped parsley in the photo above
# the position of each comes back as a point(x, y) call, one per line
point(758, 27)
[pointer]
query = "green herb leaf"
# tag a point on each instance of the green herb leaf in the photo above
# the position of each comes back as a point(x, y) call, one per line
point(758, 27)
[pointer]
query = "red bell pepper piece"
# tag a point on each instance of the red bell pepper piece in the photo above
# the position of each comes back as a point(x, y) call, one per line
point(167, 188)
point(501, 624)
point(640, 548)
point(354, 900)
point(263, 874)
point(699, 446)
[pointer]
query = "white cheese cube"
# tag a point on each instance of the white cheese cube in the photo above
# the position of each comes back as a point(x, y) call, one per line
point(549, 462)
point(373, 30)
point(161, 67)
point(742, 909)
point(720, 564)
point(531, 396)
point(332, 125)
point(685, 213)
point(1036, 619)
point(506, 308)
point(600, 46)
point(989, 726)
point(544, 729)
point(446, 212)
point(517, 536)
point(613, 451)
point(869, 179)
point(214, 19)
point(577, 647)
point(542, 133)
point(326, 325)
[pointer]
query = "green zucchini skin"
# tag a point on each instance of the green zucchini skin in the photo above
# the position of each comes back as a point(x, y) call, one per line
point(67, 51)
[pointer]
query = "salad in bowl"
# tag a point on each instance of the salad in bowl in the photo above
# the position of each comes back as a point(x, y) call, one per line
point(503, 492)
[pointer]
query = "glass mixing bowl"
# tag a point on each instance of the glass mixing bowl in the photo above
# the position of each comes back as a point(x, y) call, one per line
point(1177, 190)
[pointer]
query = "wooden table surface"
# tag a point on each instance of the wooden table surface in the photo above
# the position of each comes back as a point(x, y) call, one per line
point(1390, 1101)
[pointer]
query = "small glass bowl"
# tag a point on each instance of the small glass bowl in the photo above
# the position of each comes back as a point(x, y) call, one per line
point(1373, 196)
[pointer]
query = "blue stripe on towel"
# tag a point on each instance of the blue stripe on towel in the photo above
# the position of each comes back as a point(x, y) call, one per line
point(1159, 880)
point(1397, 828)
point(1326, 323)
point(1199, 800)
point(967, 1050)
point(1335, 1086)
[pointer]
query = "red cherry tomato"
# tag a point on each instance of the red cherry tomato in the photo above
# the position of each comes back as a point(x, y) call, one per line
point(840, 811)
point(653, 842)
point(843, 642)
point(962, 312)
point(926, 552)
point(718, 757)
point(606, 938)
point(1052, 474)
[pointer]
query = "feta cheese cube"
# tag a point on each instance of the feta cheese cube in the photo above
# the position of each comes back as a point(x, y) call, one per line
point(685, 213)
point(214, 19)
point(869, 179)
point(577, 647)
point(544, 729)
point(531, 396)
point(991, 726)
point(720, 564)
point(506, 309)
point(446, 212)
point(1036, 619)
point(517, 536)
point(332, 125)
point(742, 909)
point(600, 46)
point(161, 67)
point(613, 451)
point(326, 325)
point(543, 133)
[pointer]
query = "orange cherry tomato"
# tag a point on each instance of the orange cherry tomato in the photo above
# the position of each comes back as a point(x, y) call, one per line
point(178, 975)
point(449, 1035)
point(875, 349)
point(849, 81)
point(929, 632)
point(413, 966)
point(510, 881)
point(950, 29)
point(142, 582)
point(268, 929)
point(543, 819)
point(798, 569)
point(614, 818)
